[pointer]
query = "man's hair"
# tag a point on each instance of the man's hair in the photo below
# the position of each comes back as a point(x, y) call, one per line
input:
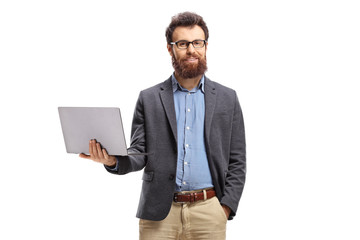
point(185, 19)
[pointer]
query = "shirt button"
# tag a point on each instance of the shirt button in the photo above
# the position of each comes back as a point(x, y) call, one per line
point(188, 110)
point(187, 145)
point(184, 183)
point(188, 128)
point(185, 163)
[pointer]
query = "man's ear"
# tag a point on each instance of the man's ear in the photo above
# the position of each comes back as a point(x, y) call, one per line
point(169, 48)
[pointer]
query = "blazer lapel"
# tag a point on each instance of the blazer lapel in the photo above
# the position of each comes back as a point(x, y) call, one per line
point(167, 99)
point(210, 101)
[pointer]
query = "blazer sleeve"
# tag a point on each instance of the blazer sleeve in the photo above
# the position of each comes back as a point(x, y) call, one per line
point(236, 172)
point(131, 163)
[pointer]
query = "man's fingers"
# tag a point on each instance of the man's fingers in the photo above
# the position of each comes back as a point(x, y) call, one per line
point(110, 160)
point(106, 155)
point(99, 152)
point(84, 156)
point(94, 149)
point(90, 148)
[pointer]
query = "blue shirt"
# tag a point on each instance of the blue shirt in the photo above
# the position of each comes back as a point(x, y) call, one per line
point(193, 170)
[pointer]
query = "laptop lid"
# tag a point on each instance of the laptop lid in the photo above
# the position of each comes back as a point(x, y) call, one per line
point(80, 124)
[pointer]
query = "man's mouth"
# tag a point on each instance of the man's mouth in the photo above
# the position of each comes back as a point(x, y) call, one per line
point(191, 59)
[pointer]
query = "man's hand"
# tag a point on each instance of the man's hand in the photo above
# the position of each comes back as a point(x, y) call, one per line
point(227, 210)
point(99, 154)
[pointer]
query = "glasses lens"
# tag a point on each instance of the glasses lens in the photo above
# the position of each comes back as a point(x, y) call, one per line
point(182, 44)
point(198, 43)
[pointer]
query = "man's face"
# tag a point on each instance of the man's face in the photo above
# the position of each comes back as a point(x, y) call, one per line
point(190, 62)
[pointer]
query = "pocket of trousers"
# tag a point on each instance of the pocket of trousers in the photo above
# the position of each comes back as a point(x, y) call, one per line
point(221, 209)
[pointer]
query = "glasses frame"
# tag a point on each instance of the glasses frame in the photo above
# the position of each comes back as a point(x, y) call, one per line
point(188, 43)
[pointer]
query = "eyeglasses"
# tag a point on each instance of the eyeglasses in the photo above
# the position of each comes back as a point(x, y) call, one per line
point(183, 44)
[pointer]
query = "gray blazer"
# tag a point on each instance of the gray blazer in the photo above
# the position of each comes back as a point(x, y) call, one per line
point(154, 131)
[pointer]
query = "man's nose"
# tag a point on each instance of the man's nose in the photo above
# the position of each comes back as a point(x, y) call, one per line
point(190, 48)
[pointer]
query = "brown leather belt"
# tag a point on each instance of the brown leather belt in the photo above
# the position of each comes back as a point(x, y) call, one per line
point(194, 196)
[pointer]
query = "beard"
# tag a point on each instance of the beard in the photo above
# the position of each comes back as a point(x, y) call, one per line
point(189, 70)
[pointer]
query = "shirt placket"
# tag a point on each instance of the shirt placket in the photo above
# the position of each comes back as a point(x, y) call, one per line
point(189, 111)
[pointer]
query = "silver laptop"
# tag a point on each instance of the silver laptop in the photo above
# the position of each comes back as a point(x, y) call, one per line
point(80, 124)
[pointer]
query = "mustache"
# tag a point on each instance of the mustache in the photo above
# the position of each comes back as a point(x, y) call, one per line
point(194, 55)
point(187, 57)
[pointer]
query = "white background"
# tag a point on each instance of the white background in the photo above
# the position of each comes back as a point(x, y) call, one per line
point(294, 64)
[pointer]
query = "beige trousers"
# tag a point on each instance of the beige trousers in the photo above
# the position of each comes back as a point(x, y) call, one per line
point(199, 220)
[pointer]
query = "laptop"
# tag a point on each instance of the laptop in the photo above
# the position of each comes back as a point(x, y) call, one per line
point(81, 124)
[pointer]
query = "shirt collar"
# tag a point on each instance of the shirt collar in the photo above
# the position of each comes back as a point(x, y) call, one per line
point(176, 85)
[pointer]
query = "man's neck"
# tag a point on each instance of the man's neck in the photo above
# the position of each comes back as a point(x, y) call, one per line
point(188, 83)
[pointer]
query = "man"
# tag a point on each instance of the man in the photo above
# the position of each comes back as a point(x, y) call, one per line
point(192, 129)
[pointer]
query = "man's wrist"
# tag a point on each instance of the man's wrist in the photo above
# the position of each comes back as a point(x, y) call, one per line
point(111, 163)
point(111, 166)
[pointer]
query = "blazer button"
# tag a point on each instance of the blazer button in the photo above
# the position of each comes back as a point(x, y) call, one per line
point(171, 177)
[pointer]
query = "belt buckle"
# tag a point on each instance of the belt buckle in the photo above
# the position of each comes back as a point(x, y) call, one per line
point(193, 197)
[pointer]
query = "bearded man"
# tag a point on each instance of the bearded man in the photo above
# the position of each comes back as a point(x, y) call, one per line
point(192, 129)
